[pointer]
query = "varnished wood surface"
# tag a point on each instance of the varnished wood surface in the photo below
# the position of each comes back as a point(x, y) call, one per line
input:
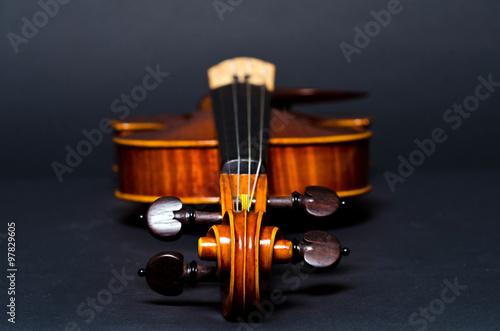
point(340, 167)
point(183, 160)
point(198, 129)
point(244, 284)
point(238, 255)
point(166, 273)
point(320, 249)
point(180, 172)
point(235, 245)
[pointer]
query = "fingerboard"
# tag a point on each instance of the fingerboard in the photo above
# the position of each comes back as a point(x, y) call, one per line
point(240, 90)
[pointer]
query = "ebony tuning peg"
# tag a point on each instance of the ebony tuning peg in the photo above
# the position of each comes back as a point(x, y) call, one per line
point(317, 200)
point(319, 249)
point(165, 273)
point(165, 217)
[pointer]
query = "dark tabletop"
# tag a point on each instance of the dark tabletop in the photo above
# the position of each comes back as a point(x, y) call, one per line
point(423, 257)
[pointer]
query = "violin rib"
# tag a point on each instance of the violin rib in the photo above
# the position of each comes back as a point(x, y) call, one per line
point(302, 151)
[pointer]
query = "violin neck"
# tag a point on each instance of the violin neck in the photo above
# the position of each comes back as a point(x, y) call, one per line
point(241, 90)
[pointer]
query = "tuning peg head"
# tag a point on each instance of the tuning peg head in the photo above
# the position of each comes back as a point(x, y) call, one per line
point(161, 219)
point(321, 249)
point(166, 273)
point(163, 273)
point(320, 201)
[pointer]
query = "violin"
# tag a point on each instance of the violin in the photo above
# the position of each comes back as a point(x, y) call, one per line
point(258, 160)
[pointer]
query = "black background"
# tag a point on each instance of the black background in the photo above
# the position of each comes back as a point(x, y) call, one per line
point(439, 224)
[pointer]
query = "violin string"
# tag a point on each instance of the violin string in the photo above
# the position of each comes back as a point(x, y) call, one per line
point(224, 120)
point(249, 127)
point(235, 108)
point(261, 130)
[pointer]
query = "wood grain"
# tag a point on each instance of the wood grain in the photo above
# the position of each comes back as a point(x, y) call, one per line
point(183, 160)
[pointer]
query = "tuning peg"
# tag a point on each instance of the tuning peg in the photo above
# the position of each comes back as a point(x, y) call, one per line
point(319, 249)
point(165, 273)
point(317, 200)
point(165, 217)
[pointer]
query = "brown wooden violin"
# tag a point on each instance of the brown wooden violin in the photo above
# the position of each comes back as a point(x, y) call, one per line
point(157, 155)
point(261, 156)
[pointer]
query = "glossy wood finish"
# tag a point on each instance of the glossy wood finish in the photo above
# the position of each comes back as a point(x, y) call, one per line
point(234, 244)
point(241, 294)
point(146, 174)
point(320, 249)
point(245, 248)
point(342, 167)
point(245, 274)
point(183, 160)
point(166, 273)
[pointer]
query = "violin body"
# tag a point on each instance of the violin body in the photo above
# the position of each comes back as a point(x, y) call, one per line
point(157, 155)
